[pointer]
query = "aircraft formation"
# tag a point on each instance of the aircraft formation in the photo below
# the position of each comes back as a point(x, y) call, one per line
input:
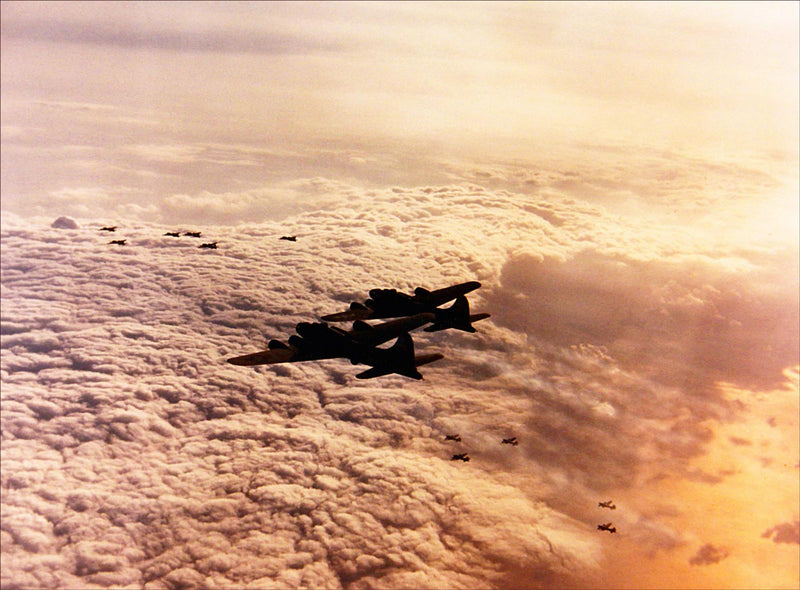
point(178, 234)
point(465, 456)
point(607, 526)
point(360, 345)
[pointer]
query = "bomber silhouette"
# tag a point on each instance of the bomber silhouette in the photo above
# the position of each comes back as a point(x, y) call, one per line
point(118, 242)
point(317, 341)
point(510, 441)
point(109, 228)
point(388, 303)
point(289, 238)
point(607, 527)
point(173, 234)
point(454, 437)
point(210, 246)
point(460, 457)
point(193, 234)
point(608, 504)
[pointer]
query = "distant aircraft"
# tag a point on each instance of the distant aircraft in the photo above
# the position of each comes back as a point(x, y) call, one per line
point(607, 527)
point(510, 441)
point(388, 303)
point(608, 504)
point(460, 457)
point(454, 437)
point(173, 234)
point(192, 234)
point(118, 242)
point(210, 245)
point(109, 228)
point(289, 238)
point(317, 341)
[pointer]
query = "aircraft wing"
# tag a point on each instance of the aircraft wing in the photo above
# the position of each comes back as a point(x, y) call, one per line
point(370, 335)
point(265, 357)
point(351, 315)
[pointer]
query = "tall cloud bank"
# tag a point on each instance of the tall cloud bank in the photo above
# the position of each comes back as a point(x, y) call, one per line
point(134, 456)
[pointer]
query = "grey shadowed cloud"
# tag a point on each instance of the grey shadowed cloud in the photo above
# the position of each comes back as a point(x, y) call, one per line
point(708, 554)
point(786, 532)
point(133, 30)
point(134, 455)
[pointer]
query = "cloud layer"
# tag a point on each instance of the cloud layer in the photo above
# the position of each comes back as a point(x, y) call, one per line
point(133, 455)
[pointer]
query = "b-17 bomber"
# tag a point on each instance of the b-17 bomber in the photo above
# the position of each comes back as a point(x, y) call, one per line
point(453, 437)
point(389, 303)
point(510, 441)
point(118, 242)
point(460, 457)
point(318, 341)
point(607, 527)
point(109, 228)
point(607, 504)
point(209, 246)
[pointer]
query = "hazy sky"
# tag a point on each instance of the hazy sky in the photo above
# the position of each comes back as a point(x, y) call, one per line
point(621, 177)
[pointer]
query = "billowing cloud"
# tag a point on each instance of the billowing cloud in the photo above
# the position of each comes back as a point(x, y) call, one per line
point(787, 532)
point(708, 554)
point(133, 455)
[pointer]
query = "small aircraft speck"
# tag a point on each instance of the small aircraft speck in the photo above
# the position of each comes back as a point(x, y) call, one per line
point(173, 234)
point(607, 527)
point(510, 441)
point(460, 457)
point(453, 437)
point(118, 242)
point(289, 238)
point(109, 228)
point(209, 245)
point(193, 234)
point(608, 504)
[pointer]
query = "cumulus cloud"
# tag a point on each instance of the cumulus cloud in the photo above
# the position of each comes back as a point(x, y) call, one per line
point(133, 455)
point(708, 554)
point(787, 532)
point(64, 222)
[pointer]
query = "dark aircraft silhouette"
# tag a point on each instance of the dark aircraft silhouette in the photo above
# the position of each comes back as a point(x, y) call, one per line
point(210, 245)
point(192, 234)
point(317, 341)
point(173, 234)
point(118, 242)
point(455, 437)
point(460, 457)
point(510, 441)
point(607, 527)
point(109, 228)
point(609, 504)
point(289, 238)
point(388, 303)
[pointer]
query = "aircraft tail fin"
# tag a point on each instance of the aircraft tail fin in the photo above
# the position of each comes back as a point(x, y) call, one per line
point(355, 305)
point(276, 344)
point(456, 316)
point(421, 292)
point(399, 359)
